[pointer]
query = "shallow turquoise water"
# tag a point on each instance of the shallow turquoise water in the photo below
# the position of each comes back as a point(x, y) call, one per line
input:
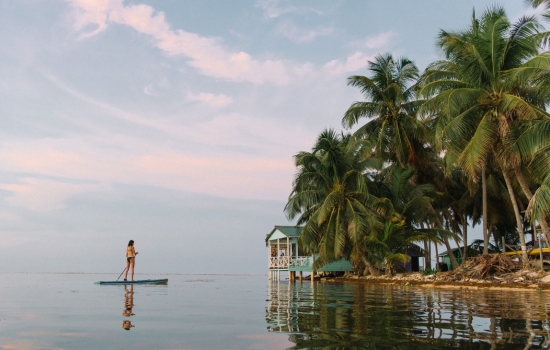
point(69, 311)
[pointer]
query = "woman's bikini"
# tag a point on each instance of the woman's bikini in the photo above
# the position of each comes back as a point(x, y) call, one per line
point(130, 253)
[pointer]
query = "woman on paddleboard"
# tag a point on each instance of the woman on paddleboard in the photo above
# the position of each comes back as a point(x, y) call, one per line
point(130, 259)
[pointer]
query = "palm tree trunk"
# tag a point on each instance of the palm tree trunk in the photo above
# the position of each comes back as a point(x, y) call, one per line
point(436, 256)
point(465, 238)
point(454, 263)
point(459, 251)
point(427, 256)
point(545, 230)
point(370, 269)
point(493, 232)
point(517, 215)
point(529, 195)
point(484, 214)
point(427, 252)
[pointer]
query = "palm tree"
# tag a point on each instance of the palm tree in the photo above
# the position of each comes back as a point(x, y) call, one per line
point(407, 222)
point(331, 198)
point(531, 143)
point(391, 105)
point(545, 3)
point(397, 134)
point(484, 86)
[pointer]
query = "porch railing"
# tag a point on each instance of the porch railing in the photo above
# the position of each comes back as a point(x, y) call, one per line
point(284, 262)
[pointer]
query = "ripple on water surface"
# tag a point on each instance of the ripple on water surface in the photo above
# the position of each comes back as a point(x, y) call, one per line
point(356, 315)
point(68, 311)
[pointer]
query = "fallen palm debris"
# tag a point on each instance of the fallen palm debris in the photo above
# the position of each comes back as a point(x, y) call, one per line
point(495, 270)
point(486, 267)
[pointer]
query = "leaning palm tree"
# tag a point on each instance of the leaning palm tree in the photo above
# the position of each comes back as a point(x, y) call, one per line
point(331, 198)
point(390, 106)
point(486, 84)
point(532, 144)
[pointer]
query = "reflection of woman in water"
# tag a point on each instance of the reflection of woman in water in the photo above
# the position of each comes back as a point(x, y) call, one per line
point(130, 259)
point(128, 301)
point(128, 305)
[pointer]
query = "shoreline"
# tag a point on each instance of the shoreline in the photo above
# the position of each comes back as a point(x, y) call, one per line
point(444, 280)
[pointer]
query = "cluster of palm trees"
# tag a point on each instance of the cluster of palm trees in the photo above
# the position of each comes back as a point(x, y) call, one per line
point(465, 142)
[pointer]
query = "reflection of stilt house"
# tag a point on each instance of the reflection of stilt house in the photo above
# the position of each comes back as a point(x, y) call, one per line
point(285, 255)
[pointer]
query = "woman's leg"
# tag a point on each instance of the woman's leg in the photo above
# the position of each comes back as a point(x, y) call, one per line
point(133, 263)
point(126, 271)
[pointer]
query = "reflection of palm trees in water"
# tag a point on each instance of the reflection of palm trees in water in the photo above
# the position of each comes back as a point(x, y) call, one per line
point(377, 316)
point(128, 305)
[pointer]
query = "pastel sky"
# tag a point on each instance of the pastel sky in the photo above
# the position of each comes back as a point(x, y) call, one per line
point(174, 123)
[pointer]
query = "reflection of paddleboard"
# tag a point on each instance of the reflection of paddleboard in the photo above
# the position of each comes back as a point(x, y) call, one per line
point(161, 281)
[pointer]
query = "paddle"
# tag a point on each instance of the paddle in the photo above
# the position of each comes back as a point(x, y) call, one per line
point(121, 273)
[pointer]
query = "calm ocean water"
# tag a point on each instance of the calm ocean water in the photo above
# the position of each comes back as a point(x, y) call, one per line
point(69, 311)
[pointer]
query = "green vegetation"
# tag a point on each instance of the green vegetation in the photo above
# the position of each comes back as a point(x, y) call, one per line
point(428, 272)
point(465, 142)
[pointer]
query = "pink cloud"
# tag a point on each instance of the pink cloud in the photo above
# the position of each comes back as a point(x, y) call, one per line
point(92, 13)
point(44, 195)
point(228, 175)
point(207, 55)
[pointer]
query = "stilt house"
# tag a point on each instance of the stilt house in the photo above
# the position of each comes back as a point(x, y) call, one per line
point(284, 254)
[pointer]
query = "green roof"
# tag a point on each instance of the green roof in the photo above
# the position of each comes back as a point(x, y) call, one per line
point(290, 231)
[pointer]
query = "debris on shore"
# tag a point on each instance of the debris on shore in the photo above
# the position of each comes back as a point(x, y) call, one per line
point(486, 267)
point(484, 271)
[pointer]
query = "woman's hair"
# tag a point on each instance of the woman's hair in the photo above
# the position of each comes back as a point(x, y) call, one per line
point(131, 242)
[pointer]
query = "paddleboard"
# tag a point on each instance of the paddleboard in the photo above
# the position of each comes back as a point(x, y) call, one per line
point(160, 281)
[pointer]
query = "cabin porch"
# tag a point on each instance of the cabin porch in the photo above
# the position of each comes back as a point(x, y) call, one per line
point(285, 255)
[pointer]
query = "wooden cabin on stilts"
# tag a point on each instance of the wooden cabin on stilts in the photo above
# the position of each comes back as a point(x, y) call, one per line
point(284, 255)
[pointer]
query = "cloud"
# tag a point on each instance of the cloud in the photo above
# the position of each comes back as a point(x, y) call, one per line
point(24, 344)
point(206, 54)
point(276, 8)
point(13, 240)
point(214, 175)
point(234, 130)
point(93, 13)
point(297, 35)
point(378, 41)
point(359, 59)
point(352, 63)
point(61, 334)
point(112, 110)
point(148, 90)
point(88, 167)
point(217, 101)
point(45, 195)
